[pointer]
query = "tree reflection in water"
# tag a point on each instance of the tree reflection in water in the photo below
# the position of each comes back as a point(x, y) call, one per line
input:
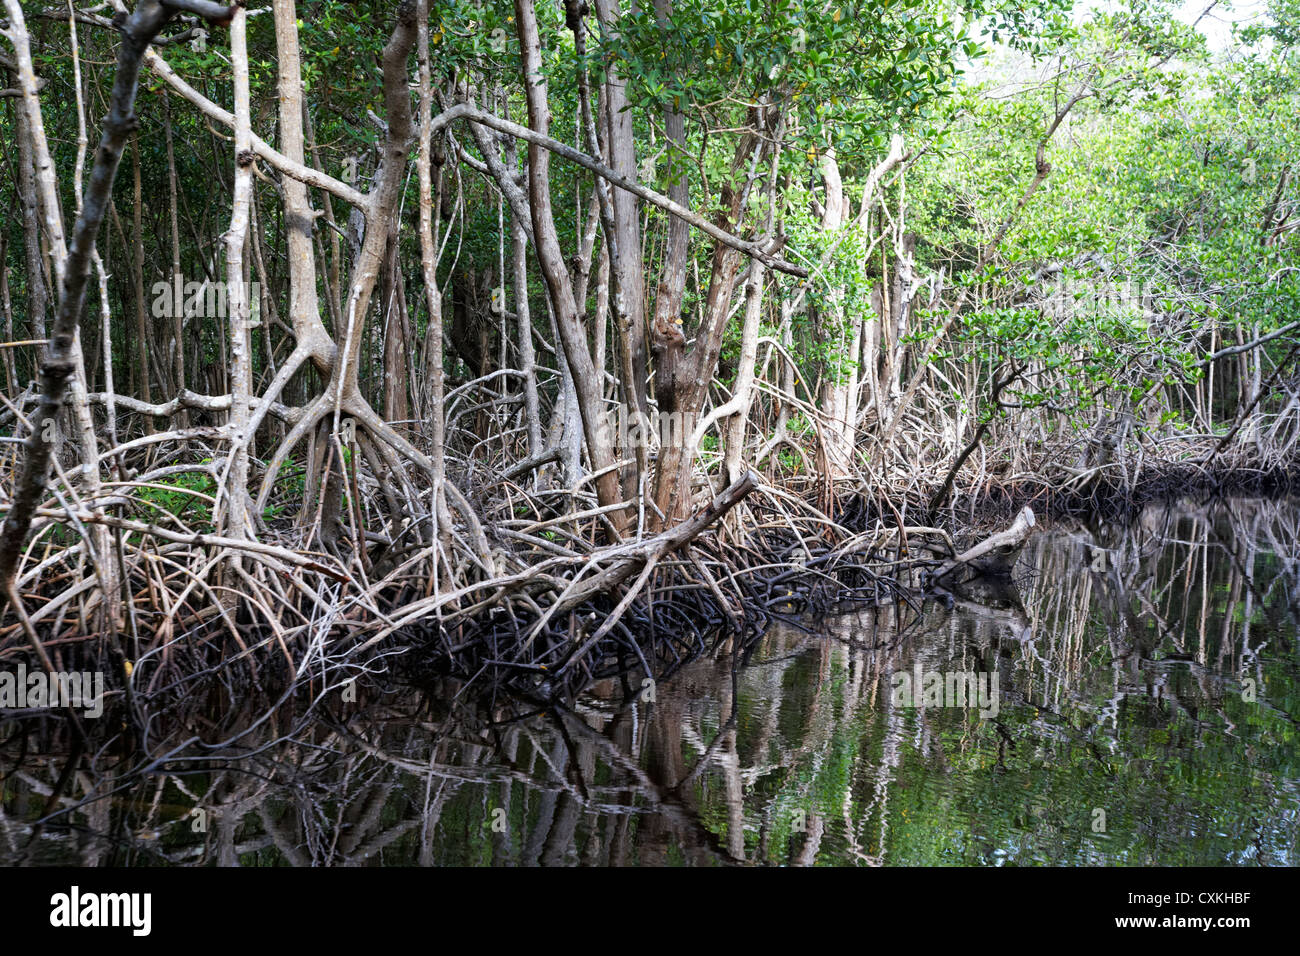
point(1125, 655)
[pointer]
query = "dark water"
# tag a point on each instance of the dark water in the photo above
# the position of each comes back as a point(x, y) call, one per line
point(1147, 698)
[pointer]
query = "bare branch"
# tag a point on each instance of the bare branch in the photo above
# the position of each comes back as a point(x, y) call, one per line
point(467, 112)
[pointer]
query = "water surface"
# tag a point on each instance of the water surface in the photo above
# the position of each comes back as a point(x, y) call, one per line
point(1146, 713)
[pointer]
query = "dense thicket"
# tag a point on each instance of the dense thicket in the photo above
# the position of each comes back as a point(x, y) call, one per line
point(489, 327)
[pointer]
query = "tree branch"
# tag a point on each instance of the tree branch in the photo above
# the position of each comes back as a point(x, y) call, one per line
point(467, 112)
point(60, 360)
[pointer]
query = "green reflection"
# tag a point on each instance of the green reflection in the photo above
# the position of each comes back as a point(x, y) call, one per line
point(1147, 706)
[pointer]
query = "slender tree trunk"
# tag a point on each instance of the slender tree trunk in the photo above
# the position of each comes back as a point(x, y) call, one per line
point(429, 265)
point(743, 392)
point(237, 522)
point(527, 355)
point(177, 276)
point(629, 282)
point(142, 334)
point(60, 363)
point(572, 335)
point(38, 296)
point(838, 384)
point(396, 339)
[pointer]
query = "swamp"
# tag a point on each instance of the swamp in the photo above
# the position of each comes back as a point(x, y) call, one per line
point(624, 433)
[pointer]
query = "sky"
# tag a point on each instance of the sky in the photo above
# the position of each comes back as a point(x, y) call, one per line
point(1010, 69)
point(1217, 25)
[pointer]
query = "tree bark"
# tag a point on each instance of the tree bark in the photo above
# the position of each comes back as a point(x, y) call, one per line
point(237, 523)
point(682, 378)
point(137, 276)
point(60, 360)
point(572, 335)
point(433, 297)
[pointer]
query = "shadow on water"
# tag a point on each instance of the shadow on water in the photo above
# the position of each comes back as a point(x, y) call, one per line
point(1140, 707)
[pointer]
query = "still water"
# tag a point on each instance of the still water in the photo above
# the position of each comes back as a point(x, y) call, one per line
point(1141, 689)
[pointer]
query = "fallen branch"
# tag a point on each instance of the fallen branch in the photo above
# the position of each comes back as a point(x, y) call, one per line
point(996, 554)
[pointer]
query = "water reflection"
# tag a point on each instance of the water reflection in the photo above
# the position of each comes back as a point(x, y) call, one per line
point(1146, 714)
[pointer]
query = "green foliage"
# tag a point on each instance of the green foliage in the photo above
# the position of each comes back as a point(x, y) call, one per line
point(849, 73)
point(185, 496)
point(291, 482)
point(1160, 179)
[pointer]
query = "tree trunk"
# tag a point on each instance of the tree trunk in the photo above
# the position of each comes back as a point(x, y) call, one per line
point(61, 359)
point(573, 337)
point(838, 384)
point(682, 378)
point(237, 524)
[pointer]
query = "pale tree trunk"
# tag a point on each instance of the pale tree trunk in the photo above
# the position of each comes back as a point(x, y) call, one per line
point(236, 519)
point(38, 295)
point(137, 275)
point(902, 299)
point(572, 335)
point(566, 418)
point(177, 277)
point(61, 363)
point(602, 296)
point(433, 297)
point(743, 393)
point(871, 330)
point(6, 303)
point(106, 566)
point(527, 355)
point(838, 386)
point(396, 338)
point(628, 282)
point(682, 378)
